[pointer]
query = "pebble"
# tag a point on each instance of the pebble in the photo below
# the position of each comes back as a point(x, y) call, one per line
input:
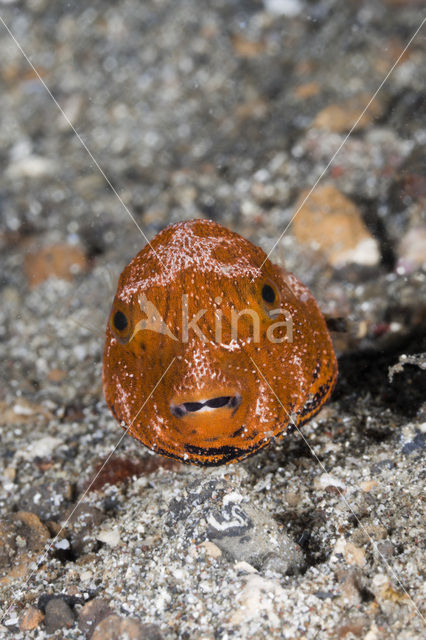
point(418, 443)
point(244, 533)
point(330, 222)
point(91, 614)
point(352, 554)
point(412, 250)
point(326, 480)
point(48, 500)
point(58, 614)
point(212, 550)
point(42, 448)
point(82, 525)
point(350, 585)
point(110, 536)
point(21, 533)
point(245, 567)
point(256, 600)
point(385, 591)
point(341, 117)
point(58, 261)
point(31, 166)
point(352, 627)
point(217, 510)
point(116, 628)
point(30, 619)
point(367, 485)
point(247, 48)
point(288, 8)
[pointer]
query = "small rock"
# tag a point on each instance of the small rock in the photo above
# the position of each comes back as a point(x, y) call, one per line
point(83, 525)
point(326, 480)
point(410, 184)
point(354, 554)
point(350, 585)
point(116, 628)
point(72, 107)
point(378, 467)
point(242, 532)
point(341, 117)
point(56, 375)
point(351, 553)
point(92, 614)
point(256, 109)
point(9, 473)
point(373, 633)
point(412, 250)
point(352, 627)
point(58, 615)
point(151, 632)
point(307, 90)
point(58, 261)
point(42, 448)
point(247, 48)
point(288, 8)
point(328, 221)
point(48, 500)
point(22, 411)
point(238, 529)
point(367, 485)
point(324, 595)
point(256, 600)
point(111, 537)
point(30, 619)
point(385, 592)
point(212, 550)
point(19, 534)
point(418, 443)
point(244, 566)
point(386, 548)
point(31, 166)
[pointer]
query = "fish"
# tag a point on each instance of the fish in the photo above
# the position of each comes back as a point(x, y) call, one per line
point(212, 352)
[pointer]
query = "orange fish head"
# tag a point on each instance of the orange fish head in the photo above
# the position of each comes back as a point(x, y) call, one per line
point(211, 351)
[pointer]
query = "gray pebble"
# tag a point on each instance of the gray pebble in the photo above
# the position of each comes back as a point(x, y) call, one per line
point(58, 615)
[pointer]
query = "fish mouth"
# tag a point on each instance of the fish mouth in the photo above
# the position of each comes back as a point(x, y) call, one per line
point(210, 404)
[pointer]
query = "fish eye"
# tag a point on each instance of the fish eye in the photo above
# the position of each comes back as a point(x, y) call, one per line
point(268, 294)
point(119, 321)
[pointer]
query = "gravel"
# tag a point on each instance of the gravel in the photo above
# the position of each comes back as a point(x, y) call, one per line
point(220, 110)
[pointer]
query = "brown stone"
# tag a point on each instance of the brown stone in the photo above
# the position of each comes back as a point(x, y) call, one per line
point(247, 48)
point(354, 555)
point(30, 619)
point(412, 249)
point(59, 261)
point(307, 90)
point(56, 375)
point(92, 614)
point(350, 585)
point(116, 628)
point(59, 615)
point(19, 570)
point(21, 533)
point(355, 627)
point(341, 117)
point(332, 223)
point(256, 109)
point(21, 412)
